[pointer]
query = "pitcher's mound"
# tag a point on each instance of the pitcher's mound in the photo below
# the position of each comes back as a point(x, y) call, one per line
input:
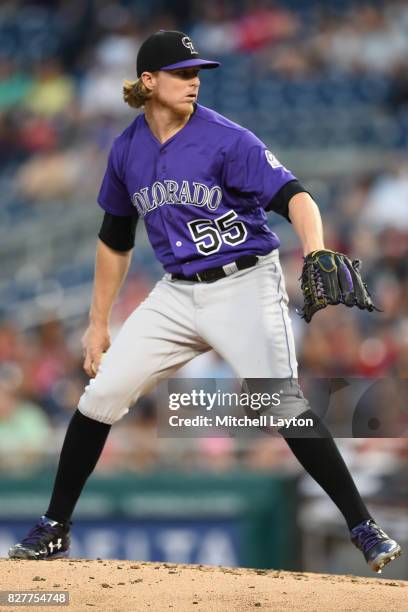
point(138, 586)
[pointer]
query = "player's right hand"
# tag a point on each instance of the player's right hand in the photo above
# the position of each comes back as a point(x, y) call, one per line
point(95, 342)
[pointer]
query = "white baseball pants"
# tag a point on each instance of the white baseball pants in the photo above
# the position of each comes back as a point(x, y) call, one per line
point(244, 317)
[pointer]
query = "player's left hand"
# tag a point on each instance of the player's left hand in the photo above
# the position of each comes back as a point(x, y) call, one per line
point(329, 277)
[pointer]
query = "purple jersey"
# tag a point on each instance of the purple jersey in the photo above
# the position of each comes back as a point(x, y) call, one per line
point(202, 193)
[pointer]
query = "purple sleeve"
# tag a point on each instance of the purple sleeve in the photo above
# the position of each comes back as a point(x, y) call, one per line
point(113, 195)
point(253, 169)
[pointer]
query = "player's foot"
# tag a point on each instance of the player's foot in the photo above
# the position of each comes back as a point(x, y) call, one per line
point(46, 540)
point(377, 547)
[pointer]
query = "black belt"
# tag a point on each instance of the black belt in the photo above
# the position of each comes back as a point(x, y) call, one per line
point(214, 274)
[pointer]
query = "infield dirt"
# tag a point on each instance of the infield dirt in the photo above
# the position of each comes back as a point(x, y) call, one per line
point(117, 586)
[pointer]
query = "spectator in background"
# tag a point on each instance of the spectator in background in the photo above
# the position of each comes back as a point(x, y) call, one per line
point(263, 24)
point(53, 90)
point(110, 60)
point(365, 40)
point(11, 349)
point(50, 359)
point(214, 29)
point(36, 134)
point(24, 428)
point(59, 173)
point(221, 30)
point(15, 84)
point(330, 348)
point(50, 175)
point(386, 204)
point(293, 62)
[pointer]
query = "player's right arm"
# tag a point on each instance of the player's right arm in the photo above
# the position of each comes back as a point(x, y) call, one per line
point(113, 255)
point(111, 267)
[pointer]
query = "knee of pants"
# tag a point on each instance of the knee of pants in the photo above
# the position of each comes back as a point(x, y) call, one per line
point(293, 402)
point(105, 402)
point(289, 400)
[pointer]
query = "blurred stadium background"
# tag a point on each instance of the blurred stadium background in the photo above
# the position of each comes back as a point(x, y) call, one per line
point(324, 84)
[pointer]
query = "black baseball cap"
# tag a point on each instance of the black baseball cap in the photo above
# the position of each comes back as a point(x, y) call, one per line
point(168, 50)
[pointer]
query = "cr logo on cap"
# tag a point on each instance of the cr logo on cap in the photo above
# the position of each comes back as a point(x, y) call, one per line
point(187, 43)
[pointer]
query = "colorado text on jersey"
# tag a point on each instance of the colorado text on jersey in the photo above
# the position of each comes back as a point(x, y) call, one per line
point(170, 192)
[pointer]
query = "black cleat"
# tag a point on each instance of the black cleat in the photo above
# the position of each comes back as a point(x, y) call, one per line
point(45, 541)
point(377, 548)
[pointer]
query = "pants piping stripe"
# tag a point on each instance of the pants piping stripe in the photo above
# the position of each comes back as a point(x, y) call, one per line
point(284, 324)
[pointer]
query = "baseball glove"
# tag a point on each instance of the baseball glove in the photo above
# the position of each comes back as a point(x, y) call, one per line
point(332, 278)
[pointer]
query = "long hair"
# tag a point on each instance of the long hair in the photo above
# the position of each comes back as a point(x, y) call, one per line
point(135, 93)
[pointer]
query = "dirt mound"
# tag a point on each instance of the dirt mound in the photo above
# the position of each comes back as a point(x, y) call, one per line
point(138, 586)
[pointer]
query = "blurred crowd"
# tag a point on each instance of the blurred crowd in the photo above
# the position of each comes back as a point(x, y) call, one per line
point(62, 65)
point(351, 36)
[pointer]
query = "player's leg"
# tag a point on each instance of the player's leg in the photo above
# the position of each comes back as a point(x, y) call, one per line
point(260, 347)
point(156, 339)
point(316, 450)
point(245, 317)
point(254, 335)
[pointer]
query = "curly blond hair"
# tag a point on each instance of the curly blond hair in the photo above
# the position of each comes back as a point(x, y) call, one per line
point(135, 93)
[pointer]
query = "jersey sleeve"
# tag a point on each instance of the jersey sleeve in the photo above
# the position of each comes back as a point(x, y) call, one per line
point(252, 169)
point(113, 195)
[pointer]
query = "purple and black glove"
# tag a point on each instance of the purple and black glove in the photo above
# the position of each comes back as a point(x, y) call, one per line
point(332, 278)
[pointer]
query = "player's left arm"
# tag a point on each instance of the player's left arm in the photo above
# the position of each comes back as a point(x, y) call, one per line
point(307, 222)
point(327, 277)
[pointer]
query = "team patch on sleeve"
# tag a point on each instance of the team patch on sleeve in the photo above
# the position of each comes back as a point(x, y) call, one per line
point(272, 160)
